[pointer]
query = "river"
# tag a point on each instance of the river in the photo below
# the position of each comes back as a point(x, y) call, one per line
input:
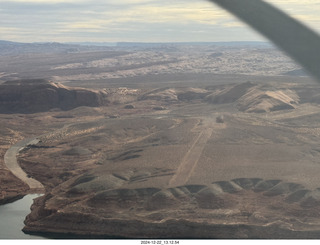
point(12, 216)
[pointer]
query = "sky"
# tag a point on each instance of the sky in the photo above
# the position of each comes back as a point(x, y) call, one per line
point(134, 20)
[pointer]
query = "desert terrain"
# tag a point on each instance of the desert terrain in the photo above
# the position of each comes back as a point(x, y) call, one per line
point(161, 141)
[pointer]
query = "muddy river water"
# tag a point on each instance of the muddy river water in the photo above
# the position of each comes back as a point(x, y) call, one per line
point(12, 216)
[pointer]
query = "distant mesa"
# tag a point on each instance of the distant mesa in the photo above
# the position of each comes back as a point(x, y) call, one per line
point(38, 95)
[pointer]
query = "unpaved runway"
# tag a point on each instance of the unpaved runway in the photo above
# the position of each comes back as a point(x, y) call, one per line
point(10, 160)
point(191, 158)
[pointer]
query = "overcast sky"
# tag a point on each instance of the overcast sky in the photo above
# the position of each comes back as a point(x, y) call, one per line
point(133, 20)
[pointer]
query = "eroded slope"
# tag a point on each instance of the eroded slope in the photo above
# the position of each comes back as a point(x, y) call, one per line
point(251, 174)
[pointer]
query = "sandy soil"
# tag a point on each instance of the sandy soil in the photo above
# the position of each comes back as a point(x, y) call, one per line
point(183, 149)
point(190, 160)
point(182, 167)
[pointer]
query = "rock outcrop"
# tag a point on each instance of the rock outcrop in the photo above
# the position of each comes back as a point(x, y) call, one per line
point(254, 98)
point(229, 94)
point(259, 101)
point(37, 95)
point(223, 209)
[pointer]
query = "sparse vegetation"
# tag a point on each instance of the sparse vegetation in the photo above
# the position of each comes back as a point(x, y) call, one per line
point(220, 119)
point(168, 145)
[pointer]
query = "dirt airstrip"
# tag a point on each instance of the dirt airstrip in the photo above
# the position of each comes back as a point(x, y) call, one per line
point(151, 146)
point(200, 162)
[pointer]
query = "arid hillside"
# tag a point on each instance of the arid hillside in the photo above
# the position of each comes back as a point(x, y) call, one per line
point(164, 141)
point(217, 158)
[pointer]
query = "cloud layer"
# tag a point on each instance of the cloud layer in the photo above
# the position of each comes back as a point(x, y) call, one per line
point(132, 20)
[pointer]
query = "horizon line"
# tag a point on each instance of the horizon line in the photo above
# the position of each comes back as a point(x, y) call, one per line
point(135, 42)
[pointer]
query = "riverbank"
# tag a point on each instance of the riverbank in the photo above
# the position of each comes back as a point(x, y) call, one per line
point(11, 162)
point(12, 188)
point(12, 218)
point(21, 183)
